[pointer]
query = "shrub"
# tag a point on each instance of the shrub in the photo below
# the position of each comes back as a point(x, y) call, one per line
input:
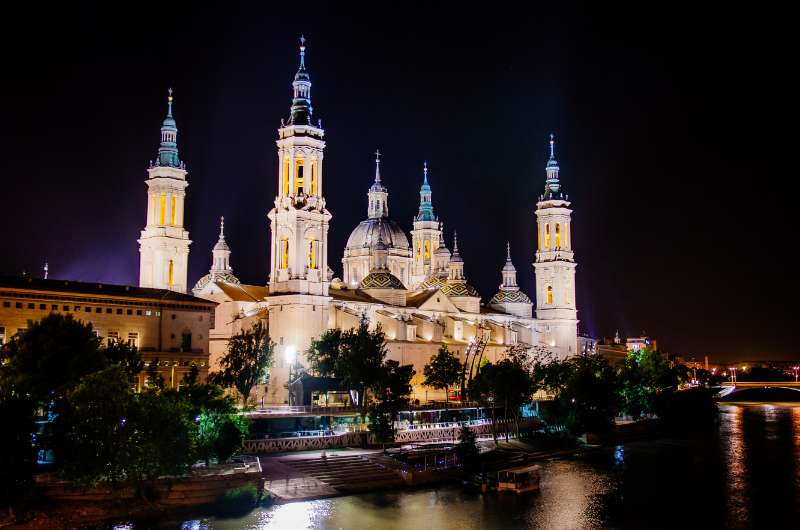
point(237, 501)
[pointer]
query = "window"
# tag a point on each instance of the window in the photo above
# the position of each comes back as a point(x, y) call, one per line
point(298, 177)
point(549, 294)
point(54, 307)
point(419, 249)
point(98, 310)
point(129, 312)
point(312, 254)
point(170, 273)
point(65, 308)
point(2, 335)
point(113, 336)
point(286, 177)
point(547, 236)
point(109, 310)
point(427, 249)
point(18, 305)
point(31, 306)
point(539, 239)
point(186, 342)
point(411, 333)
point(42, 307)
point(162, 206)
point(88, 309)
point(6, 303)
point(133, 339)
point(558, 235)
point(314, 177)
point(119, 310)
point(284, 253)
point(173, 208)
point(76, 308)
point(138, 312)
point(148, 313)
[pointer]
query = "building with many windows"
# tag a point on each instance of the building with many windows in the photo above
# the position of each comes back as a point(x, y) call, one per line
point(168, 328)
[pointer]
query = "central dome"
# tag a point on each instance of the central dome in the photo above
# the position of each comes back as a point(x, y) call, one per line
point(366, 234)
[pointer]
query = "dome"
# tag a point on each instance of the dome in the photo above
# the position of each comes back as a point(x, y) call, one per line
point(505, 297)
point(366, 234)
point(459, 289)
point(224, 277)
point(433, 282)
point(381, 280)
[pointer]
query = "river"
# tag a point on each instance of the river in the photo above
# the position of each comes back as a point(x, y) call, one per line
point(744, 475)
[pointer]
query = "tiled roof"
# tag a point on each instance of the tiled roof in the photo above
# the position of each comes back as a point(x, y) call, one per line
point(242, 292)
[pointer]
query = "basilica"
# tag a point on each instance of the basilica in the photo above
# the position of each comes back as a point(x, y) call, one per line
point(415, 288)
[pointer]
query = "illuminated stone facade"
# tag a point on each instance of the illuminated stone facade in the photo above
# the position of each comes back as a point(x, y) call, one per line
point(164, 243)
point(417, 293)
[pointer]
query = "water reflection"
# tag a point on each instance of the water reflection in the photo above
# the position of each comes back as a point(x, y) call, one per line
point(745, 475)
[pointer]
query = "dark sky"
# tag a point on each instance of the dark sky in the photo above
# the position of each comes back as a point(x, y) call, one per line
point(666, 117)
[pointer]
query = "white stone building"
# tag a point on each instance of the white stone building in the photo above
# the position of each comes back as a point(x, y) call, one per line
point(418, 293)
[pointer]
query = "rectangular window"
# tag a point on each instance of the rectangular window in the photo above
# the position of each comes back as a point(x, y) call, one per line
point(88, 309)
point(284, 253)
point(286, 177)
point(42, 307)
point(427, 249)
point(314, 177)
point(138, 312)
point(547, 236)
point(133, 339)
point(298, 177)
point(170, 273)
point(173, 210)
point(186, 342)
point(162, 206)
point(98, 310)
point(119, 310)
point(113, 336)
point(312, 254)
point(6, 303)
point(129, 312)
point(31, 306)
point(76, 308)
point(148, 313)
point(54, 307)
point(109, 310)
point(18, 305)
point(65, 308)
point(411, 333)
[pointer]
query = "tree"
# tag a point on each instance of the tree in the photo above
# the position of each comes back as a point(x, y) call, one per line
point(643, 376)
point(390, 392)
point(220, 436)
point(246, 363)
point(354, 356)
point(505, 384)
point(96, 429)
point(467, 448)
point(443, 370)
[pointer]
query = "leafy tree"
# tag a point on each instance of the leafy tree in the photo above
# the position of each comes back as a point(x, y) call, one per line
point(46, 360)
point(96, 429)
point(126, 356)
point(220, 436)
point(17, 458)
point(246, 363)
point(391, 392)
point(643, 376)
point(467, 448)
point(354, 356)
point(505, 384)
point(443, 370)
point(154, 378)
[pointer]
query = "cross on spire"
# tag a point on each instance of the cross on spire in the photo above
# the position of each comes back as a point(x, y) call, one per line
point(302, 51)
point(222, 227)
point(169, 102)
point(508, 251)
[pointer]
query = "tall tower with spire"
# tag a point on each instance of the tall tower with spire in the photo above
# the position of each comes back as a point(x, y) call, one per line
point(299, 278)
point(555, 265)
point(164, 243)
point(425, 234)
point(509, 298)
point(221, 270)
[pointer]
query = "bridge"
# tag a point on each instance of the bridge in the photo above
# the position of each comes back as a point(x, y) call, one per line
point(729, 388)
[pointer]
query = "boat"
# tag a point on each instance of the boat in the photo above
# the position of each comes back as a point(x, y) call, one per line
point(519, 479)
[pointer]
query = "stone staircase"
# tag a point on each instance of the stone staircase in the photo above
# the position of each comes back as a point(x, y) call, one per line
point(350, 473)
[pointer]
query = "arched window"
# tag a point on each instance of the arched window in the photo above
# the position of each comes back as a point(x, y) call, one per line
point(427, 249)
point(171, 273)
point(547, 236)
point(286, 177)
point(312, 254)
point(539, 239)
point(173, 209)
point(162, 207)
point(549, 294)
point(298, 177)
point(284, 253)
point(419, 249)
point(558, 235)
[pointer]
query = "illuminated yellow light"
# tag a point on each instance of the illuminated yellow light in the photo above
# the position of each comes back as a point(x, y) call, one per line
point(286, 177)
point(427, 248)
point(162, 207)
point(173, 206)
point(558, 235)
point(298, 177)
point(314, 177)
point(547, 236)
point(171, 273)
point(284, 253)
point(549, 294)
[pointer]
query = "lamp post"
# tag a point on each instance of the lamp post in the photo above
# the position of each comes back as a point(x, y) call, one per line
point(795, 368)
point(290, 355)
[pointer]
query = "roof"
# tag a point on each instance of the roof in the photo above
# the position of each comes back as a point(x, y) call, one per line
point(435, 280)
point(419, 298)
point(242, 292)
point(503, 297)
point(459, 289)
point(351, 295)
point(367, 233)
point(381, 280)
point(101, 289)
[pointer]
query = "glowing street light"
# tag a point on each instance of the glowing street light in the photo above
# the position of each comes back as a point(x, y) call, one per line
point(796, 369)
point(290, 354)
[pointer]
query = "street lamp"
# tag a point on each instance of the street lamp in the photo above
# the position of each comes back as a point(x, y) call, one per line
point(795, 368)
point(290, 355)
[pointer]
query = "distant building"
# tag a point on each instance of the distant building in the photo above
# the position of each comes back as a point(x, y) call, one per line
point(170, 327)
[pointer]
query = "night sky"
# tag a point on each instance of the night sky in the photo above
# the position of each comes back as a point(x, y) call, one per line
point(666, 123)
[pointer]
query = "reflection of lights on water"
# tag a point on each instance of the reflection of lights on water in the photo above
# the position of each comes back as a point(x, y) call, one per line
point(194, 525)
point(619, 454)
point(124, 526)
point(294, 516)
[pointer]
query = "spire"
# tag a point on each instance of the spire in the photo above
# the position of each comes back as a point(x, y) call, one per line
point(378, 195)
point(508, 252)
point(552, 187)
point(46, 269)
point(168, 149)
point(301, 109)
point(221, 244)
point(425, 204)
point(455, 256)
point(509, 272)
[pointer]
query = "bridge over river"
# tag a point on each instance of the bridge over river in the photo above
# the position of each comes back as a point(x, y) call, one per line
point(760, 391)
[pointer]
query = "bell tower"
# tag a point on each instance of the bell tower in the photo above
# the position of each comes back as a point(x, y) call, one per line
point(298, 298)
point(555, 265)
point(164, 243)
point(425, 234)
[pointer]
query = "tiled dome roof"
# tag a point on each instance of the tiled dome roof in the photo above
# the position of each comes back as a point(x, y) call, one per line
point(510, 297)
point(381, 280)
point(459, 289)
point(433, 282)
point(226, 277)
